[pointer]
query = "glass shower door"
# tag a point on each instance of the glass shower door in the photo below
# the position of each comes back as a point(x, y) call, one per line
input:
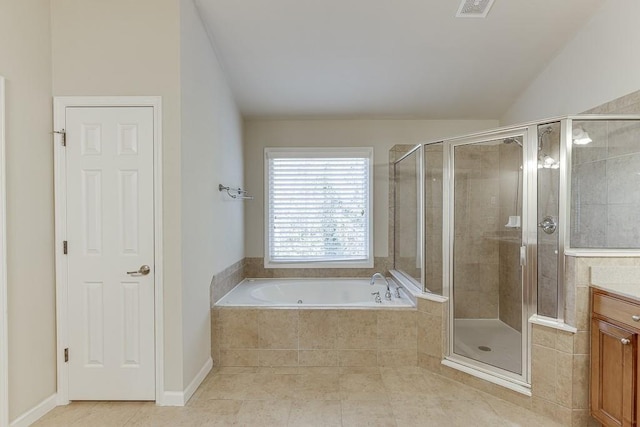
point(488, 252)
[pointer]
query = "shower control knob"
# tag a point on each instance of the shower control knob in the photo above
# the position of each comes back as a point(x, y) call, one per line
point(625, 341)
point(635, 318)
point(548, 225)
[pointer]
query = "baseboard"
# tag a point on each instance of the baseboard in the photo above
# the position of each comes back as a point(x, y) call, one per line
point(180, 398)
point(172, 398)
point(197, 380)
point(35, 413)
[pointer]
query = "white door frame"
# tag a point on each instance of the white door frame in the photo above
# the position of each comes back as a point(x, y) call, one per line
point(59, 115)
point(4, 339)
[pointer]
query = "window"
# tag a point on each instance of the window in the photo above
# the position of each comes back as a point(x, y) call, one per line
point(318, 204)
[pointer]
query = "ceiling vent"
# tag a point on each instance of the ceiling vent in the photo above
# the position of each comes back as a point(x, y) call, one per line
point(474, 8)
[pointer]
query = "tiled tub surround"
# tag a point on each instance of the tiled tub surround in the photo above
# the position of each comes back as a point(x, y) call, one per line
point(314, 337)
point(254, 267)
point(317, 293)
point(226, 280)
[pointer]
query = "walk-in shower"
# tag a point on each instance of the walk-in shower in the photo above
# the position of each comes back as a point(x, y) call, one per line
point(487, 236)
point(493, 214)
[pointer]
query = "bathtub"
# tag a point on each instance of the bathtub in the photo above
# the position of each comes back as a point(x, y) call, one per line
point(317, 293)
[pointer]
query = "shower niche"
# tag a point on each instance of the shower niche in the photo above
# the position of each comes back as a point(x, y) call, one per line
point(484, 222)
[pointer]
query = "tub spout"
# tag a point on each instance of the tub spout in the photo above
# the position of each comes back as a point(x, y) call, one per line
point(387, 294)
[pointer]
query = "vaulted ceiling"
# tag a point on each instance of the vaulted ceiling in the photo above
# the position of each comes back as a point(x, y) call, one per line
point(375, 58)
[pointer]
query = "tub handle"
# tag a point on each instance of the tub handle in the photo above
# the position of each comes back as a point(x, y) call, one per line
point(377, 294)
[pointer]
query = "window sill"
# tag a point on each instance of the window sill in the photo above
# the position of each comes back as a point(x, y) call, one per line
point(319, 265)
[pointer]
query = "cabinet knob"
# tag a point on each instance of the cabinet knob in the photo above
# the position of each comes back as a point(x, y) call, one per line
point(625, 341)
point(636, 318)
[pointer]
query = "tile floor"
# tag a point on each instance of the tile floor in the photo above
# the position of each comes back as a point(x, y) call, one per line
point(312, 397)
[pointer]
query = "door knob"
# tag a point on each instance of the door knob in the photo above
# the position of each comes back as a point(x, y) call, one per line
point(143, 271)
point(625, 341)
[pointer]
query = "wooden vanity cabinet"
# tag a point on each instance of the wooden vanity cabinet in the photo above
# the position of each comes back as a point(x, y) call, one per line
point(615, 325)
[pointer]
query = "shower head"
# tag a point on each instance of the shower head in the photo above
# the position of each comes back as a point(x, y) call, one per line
point(511, 141)
point(546, 131)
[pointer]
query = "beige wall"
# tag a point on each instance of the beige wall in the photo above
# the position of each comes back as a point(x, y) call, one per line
point(596, 66)
point(120, 47)
point(211, 153)
point(25, 61)
point(379, 134)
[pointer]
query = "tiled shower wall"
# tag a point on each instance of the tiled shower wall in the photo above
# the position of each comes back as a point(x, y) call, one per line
point(433, 216)
point(396, 152)
point(406, 251)
point(548, 198)
point(605, 180)
point(510, 239)
point(476, 249)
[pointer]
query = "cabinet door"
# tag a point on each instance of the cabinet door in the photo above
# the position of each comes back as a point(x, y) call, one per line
point(613, 374)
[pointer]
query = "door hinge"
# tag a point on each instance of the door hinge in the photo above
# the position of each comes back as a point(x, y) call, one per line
point(65, 247)
point(66, 355)
point(63, 134)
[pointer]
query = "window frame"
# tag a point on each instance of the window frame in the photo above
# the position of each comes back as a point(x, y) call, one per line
point(336, 152)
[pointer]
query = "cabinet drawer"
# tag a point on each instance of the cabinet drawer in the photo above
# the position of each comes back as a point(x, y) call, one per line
point(616, 309)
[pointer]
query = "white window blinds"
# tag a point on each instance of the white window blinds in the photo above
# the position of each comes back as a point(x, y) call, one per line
point(318, 206)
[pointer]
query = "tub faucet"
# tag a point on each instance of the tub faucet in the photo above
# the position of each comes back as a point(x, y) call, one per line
point(387, 294)
point(398, 291)
point(377, 295)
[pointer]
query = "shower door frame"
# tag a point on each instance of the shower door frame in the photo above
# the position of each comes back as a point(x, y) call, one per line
point(420, 223)
point(518, 382)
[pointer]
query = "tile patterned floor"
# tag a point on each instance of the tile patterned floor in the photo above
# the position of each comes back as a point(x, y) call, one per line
point(312, 397)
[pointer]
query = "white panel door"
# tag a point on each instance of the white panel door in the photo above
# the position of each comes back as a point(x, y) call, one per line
point(110, 253)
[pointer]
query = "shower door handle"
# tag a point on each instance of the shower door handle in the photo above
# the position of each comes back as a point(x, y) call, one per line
point(523, 256)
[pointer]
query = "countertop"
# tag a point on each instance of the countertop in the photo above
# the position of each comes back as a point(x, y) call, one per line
point(629, 290)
